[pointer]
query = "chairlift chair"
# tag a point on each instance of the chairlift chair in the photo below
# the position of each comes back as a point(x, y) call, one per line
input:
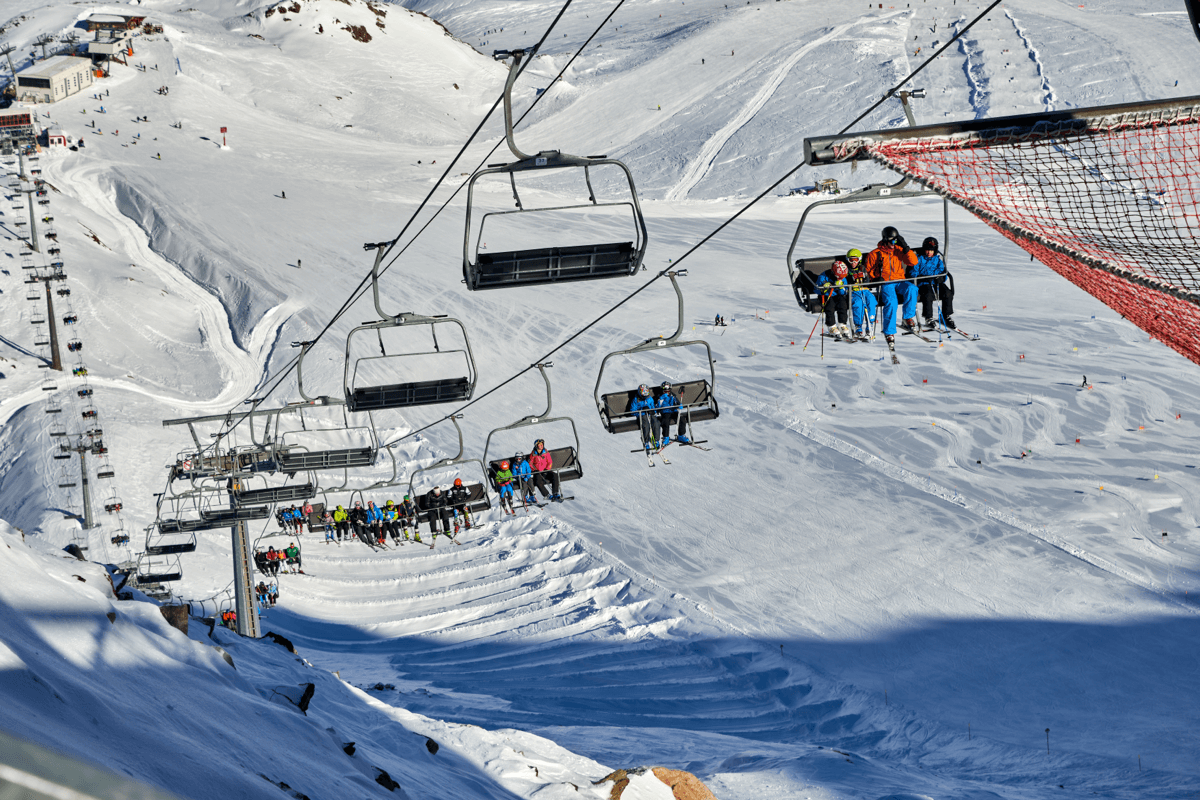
point(566, 459)
point(154, 568)
point(529, 267)
point(478, 499)
point(293, 454)
point(57, 431)
point(53, 405)
point(697, 401)
point(112, 505)
point(105, 472)
point(411, 393)
point(49, 385)
point(63, 291)
point(803, 272)
point(270, 495)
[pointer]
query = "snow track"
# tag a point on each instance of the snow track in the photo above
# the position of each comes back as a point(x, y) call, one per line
point(699, 166)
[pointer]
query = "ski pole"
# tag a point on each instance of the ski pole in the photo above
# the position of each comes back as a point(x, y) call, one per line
point(814, 327)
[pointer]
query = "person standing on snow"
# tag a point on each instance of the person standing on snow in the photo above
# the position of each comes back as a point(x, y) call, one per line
point(889, 261)
point(668, 411)
point(831, 284)
point(932, 267)
point(862, 299)
point(642, 407)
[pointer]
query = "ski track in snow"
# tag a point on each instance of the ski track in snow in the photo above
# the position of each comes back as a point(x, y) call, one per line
point(703, 161)
point(1049, 98)
point(1039, 532)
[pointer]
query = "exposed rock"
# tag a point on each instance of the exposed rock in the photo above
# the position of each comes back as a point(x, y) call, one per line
point(176, 617)
point(684, 785)
point(281, 641)
point(74, 550)
point(431, 746)
point(385, 780)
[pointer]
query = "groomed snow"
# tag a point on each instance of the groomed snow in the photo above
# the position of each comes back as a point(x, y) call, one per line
point(870, 559)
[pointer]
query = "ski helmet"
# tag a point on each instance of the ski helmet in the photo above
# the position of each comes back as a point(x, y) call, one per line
point(437, 490)
point(391, 503)
point(839, 269)
point(505, 465)
point(930, 243)
point(666, 386)
point(644, 390)
point(406, 497)
point(890, 235)
point(370, 503)
point(458, 481)
point(539, 443)
point(854, 252)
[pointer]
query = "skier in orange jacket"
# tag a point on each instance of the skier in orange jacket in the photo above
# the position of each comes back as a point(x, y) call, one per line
point(890, 261)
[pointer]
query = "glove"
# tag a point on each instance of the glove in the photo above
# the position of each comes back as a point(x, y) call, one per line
point(902, 244)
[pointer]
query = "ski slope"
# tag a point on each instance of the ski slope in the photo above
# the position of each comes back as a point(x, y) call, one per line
point(870, 559)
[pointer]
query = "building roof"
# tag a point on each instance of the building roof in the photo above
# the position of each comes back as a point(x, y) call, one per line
point(53, 66)
point(108, 18)
point(56, 131)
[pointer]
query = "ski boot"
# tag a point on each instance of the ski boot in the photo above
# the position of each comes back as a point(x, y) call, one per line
point(845, 331)
point(683, 439)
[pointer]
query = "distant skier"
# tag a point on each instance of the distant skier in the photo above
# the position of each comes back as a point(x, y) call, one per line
point(932, 266)
point(835, 299)
point(888, 262)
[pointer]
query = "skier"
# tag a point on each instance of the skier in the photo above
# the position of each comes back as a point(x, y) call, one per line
point(834, 299)
point(359, 521)
point(642, 407)
point(391, 520)
point(306, 516)
point(342, 520)
point(931, 265)
point(669, 410)
point(375, 521)
point(459, 495)
point(281, 516)
point(329, 525)
point(408, 517)
point(273, 559)
point(260, 562)
point(542, 463)
point(504, 482)
point(293, 556)
point(435, 503)
point(888, 262)
point(524, 475)
point(862, 299)
point(297, 520)
point(273, 594)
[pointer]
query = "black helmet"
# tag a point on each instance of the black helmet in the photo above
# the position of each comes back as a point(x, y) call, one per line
point(930, 243)
point(890, 235)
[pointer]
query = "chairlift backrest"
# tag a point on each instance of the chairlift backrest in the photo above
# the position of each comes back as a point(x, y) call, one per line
point(566, 465)
point(543, 265)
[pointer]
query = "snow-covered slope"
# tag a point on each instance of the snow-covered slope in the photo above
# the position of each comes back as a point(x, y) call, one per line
point(881, 581)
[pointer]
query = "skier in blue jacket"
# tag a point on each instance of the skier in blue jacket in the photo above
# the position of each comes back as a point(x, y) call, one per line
point(375, 520)
point(642, 406)
point(932, 266)
point(668, 411)
point(524, 474)
point(862, 297)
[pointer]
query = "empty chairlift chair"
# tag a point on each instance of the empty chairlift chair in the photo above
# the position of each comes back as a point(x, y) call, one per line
point(542, 265)
point(361, 377)
point(342, 447)
point(697, 400)
point(567, 465)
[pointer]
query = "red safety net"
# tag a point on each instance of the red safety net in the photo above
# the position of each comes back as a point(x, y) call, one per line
point(1110, 203)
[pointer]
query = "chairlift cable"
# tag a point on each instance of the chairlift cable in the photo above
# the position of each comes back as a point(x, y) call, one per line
point(358, 291)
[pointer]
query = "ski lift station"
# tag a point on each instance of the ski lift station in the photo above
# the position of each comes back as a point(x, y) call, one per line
point(54, 79)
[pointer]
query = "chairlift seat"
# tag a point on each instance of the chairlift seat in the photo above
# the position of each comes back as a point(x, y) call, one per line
point(554, 265)
point(160, 577)
point(477, 501)
point(294, 460)
point(276, 494)
point(172, 548)
point(416, 393)
point(696, 402)
point(106, 473)
point(566, 464)
point(807, 272)
point(228, 516)
point(66, 485)
point(314, 519)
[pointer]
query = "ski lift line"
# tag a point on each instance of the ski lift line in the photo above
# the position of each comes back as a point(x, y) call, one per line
point(915, 72)
point(358, 291)
point(546, 357)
